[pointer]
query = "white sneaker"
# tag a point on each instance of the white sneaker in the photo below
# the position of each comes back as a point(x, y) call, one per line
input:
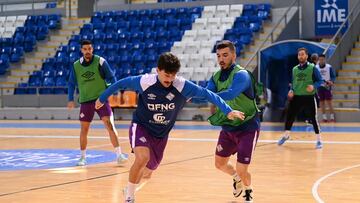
point(128, 200)
point(237, 188)
point(81, 162)
point(122, 158)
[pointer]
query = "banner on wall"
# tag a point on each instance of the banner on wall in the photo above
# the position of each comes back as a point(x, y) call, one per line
point(329, 15)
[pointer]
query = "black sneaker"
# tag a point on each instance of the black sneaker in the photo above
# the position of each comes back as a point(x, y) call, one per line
point(247, 196)
point(237, 185)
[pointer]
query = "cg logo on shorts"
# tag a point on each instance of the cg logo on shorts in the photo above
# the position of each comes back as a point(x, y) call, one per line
point(161, 107)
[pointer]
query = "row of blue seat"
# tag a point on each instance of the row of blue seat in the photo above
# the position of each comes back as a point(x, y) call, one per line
point(24, 39)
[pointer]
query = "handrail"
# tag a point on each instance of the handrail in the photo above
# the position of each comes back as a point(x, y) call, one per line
point(341, 27)
point(271, 33)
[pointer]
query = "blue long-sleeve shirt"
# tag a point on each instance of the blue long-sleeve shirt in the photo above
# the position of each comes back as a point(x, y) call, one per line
point(241, 84)
point(104, 67)
point(159, 106)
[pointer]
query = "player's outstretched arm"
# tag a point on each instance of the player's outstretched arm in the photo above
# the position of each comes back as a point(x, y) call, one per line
point(128, 83)
point(192, 90)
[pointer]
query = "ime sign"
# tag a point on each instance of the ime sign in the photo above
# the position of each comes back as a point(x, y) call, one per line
point(329, 15)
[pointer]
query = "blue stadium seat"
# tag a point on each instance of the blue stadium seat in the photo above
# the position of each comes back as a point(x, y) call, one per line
point(87, 29)
point(48, 83)
point(120, 16)
point(4, 65)
point(148, 25)
point(249, 10)
point(135, 25)
point(132, 15)
point(16, 54)
point(150, 48)
point(157, 14)
point(170, 13)
point(144, 14)
point(109, 17)
point(21, 88)
point(137, 36)
point(97, 18)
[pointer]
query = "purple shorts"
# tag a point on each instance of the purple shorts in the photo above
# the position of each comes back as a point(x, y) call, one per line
point(324, 94)
point(139, 136)
point(87, 111)
point(241, 142)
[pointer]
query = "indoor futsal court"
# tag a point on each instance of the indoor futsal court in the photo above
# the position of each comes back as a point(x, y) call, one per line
point(294, 172)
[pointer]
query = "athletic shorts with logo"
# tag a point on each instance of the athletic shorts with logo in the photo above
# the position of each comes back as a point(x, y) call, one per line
point(139, 136)
point(87, 111)
point(241, 142)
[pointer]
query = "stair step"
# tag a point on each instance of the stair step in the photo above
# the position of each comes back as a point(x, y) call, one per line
point(8, 84)
point(20, 72)
point(357, 45)
point(346, 87)
point(349, 72)
point(353, 58)
point(42, 55)
point(17, 79)
point(47, 49)
point(355, 52)
point(351, 65)
point(345, 95)
point(349, 103)
point(32, 60)
point(348, 80)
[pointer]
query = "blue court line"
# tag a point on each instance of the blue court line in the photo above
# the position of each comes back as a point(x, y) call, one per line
point(179, 127)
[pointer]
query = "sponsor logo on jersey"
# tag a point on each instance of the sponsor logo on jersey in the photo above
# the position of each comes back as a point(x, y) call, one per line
point(151, 96)
point(161, 107)
point(170, 96)
point(159, 118)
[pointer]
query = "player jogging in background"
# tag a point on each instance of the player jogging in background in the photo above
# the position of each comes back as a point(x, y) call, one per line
point(161, 97)
point(90, 74)
point(324, 91)
point(305, 79)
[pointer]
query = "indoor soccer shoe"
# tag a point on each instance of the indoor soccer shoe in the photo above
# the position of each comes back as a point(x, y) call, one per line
point(283, 140)
point(122, 158)
point(247, 196)
point(319, 145)
point(128, 200)
point(81, 162)
point(238, 188)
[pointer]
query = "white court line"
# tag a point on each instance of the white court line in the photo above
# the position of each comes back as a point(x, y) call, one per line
point(318, 182)
point(171, 139)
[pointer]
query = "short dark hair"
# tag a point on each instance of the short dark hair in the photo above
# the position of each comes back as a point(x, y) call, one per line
point(303, 49)
point(225, 44)
point(85, 42)
point(314, 57)
point(322, 55)
point(169, 63)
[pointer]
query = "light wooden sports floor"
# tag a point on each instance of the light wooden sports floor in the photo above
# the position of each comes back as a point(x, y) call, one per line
point(295, 172)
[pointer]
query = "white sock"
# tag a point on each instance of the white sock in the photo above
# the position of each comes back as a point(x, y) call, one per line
point(332, 116)
point(287, 133)
point(318, 137)
point(247, 187)
point(324, 116)
point(236, 177)
point(83, 153)
point(118, 150)
point(131, 188)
